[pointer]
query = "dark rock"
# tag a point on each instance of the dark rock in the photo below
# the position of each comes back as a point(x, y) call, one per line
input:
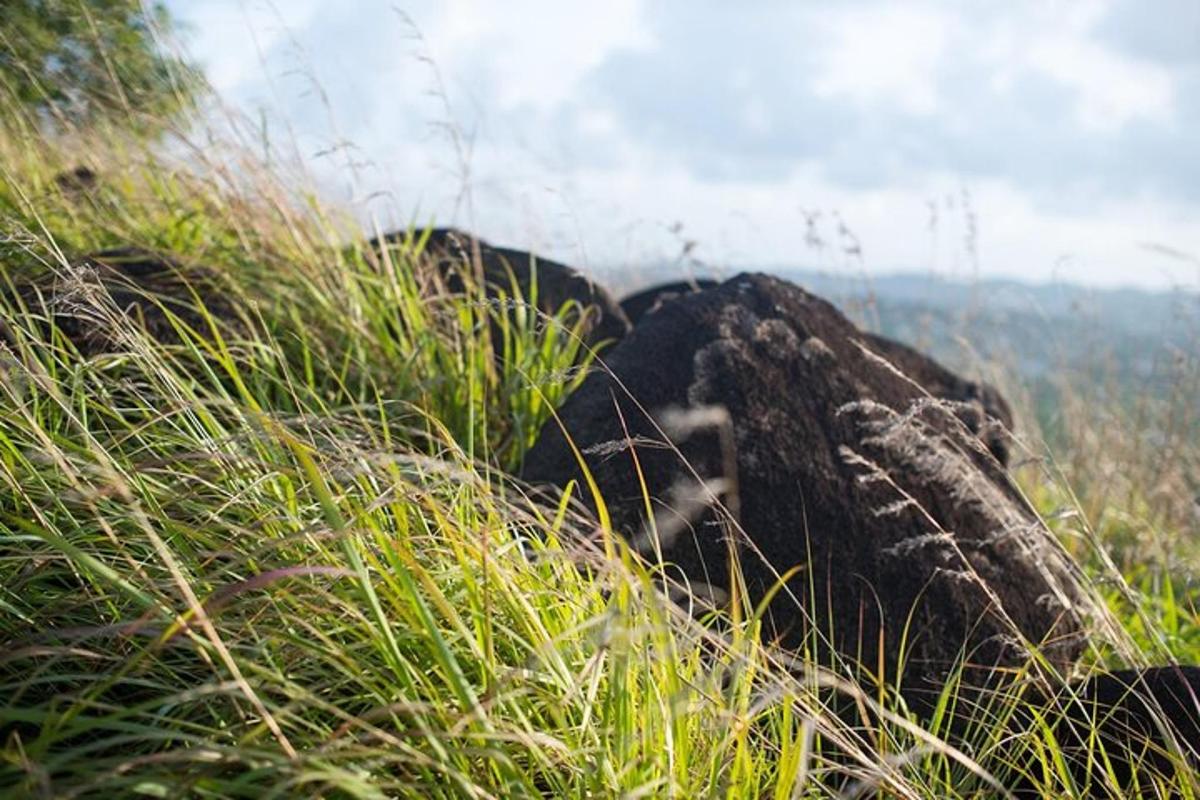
point(1142, 722)
point(981, 408)
point(456, 253)
point(142, 285)
point(639, 304)
point(908, 535)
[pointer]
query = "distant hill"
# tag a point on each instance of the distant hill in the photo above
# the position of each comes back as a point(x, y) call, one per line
point(1034, 328)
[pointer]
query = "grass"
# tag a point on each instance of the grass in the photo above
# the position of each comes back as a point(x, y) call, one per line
point(280, 558)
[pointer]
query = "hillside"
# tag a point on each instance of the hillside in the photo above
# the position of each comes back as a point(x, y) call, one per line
point(260, 533)
point(296, 503)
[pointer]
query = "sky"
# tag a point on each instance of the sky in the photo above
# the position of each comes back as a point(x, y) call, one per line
point(1037, 140)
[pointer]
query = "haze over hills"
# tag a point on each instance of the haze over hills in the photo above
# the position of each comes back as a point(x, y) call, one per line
point(1033, 327)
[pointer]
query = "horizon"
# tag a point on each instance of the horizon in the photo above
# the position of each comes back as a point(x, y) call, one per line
point(1040, 143)
point(670, 271)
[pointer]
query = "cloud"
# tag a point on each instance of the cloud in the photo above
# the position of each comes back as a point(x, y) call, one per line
point(584, 127)
point(877, 94)
point(1110, 90)
point(1165, 34)
point(231, 38)
point(522, 50)
point(885, 57)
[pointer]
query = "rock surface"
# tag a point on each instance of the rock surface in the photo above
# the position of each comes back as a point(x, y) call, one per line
point(639, 304)
point(982, 408)
point(456, 252)
point(907, 535)
point(77, 183)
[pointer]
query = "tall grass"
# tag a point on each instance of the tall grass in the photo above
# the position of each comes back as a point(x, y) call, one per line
point(279, 556)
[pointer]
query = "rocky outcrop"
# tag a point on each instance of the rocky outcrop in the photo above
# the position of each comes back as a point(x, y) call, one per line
point(769, 436)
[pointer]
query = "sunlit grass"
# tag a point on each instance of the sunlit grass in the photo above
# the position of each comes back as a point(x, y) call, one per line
point(280, 556)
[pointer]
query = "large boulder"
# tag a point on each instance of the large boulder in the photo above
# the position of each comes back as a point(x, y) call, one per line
point(146, 288)
point(765, 431)
point(457, 254)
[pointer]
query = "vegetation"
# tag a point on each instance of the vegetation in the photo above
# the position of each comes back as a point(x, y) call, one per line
point(280, 557)
point(79, 62)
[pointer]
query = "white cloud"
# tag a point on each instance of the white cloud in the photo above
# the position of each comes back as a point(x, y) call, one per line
point(1059, 42)
point(535, 51)
point(883, 54)
point(596, 127)
point(228, 36)
point(1112, 89)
